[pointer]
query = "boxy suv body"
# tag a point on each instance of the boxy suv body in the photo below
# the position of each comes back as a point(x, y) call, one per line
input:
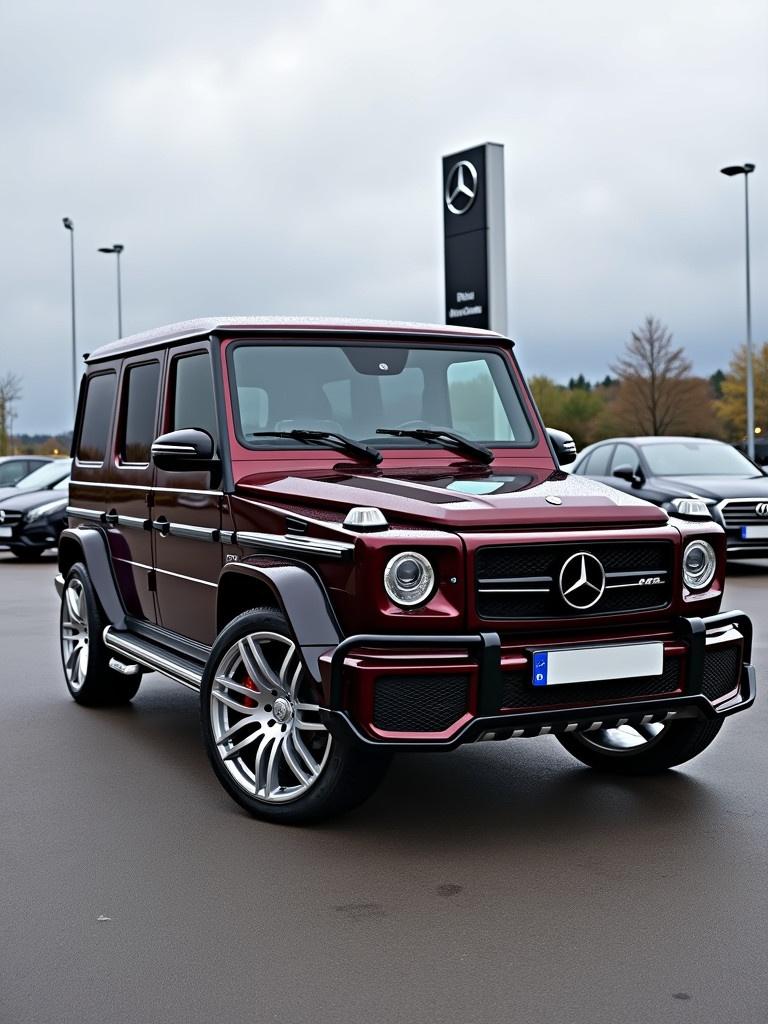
point(354, 538)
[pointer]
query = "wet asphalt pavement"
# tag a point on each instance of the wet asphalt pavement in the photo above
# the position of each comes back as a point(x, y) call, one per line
point(502, 883)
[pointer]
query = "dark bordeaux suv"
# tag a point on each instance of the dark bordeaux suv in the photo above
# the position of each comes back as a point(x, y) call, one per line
point(354, 538)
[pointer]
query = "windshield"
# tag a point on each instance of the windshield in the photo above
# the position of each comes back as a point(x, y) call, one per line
point(357, 389)
point(46, 476)
point(693, 458)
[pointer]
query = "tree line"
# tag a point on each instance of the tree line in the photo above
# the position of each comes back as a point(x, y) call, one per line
point(651, 389)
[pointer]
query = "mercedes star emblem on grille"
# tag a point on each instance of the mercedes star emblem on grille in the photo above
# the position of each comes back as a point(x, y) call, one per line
point(582, 580)
point(761, 508)
point(461, 187)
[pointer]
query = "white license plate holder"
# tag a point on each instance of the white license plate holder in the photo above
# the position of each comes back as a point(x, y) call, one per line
point(754, 533)
point(572, 665)
point(6, 532)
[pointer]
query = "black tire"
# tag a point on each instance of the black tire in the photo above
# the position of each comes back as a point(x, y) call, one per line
point(89, 678)
point(346, 773)
point(25, 554)
point(677, 743)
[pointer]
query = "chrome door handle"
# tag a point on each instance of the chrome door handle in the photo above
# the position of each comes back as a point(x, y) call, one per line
point(162, 526)
point(111, 518)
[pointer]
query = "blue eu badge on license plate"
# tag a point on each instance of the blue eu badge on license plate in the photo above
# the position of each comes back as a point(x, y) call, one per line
point(540, 662)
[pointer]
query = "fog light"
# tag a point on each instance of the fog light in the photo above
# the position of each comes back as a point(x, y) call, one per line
point(409, 579)
point(699, 564)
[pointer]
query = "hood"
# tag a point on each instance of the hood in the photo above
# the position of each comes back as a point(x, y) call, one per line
point(711, 487)
point(25, 500)
point(456, 497)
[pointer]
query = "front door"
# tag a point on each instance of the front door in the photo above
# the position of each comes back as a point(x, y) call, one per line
point(186, 513)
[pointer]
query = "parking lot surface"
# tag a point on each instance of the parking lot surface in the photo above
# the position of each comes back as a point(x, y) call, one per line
point(503, 882)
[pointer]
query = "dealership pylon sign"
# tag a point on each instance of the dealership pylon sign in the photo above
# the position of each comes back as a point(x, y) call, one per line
point(475, 240)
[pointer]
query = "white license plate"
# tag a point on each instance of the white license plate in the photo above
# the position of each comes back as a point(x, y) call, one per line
point(6, 531)
point(592, 664)
point(754, 533)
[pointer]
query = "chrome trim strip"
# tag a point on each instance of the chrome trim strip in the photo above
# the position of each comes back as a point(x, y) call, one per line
point(192, 532)
point(150, 659)
point(227, 536)
point(143, 487)
point(166, 572)
point(308, 545)
point(85, 513)
point(514, 590)
point(133, 521)
point(173, 449)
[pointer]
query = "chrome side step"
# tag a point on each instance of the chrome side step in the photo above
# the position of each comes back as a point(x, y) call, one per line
point(153, 656)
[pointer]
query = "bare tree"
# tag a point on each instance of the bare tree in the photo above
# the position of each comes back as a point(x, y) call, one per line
point(657, 393)
point(10, 393)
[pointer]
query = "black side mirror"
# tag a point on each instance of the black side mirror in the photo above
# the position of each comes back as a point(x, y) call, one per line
point(564, 445)
point(632, 476)
point(183, 449)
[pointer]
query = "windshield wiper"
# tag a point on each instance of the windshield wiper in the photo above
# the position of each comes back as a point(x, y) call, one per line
point(448, 439)
point(340, 442)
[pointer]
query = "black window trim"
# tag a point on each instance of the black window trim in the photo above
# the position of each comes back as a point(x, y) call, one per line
point(284, 444)
point(122, 407)
point(82, 403)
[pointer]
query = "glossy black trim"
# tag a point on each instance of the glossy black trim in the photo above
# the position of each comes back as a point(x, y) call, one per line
point(95, 552)
point(220, 400)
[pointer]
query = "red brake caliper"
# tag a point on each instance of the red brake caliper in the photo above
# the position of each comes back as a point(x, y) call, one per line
point(249, 702)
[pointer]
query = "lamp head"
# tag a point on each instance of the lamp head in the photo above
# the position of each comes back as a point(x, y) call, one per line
point(68, 223)
point(737, 169)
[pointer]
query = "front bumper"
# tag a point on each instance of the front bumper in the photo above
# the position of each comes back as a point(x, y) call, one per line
point(698, 643)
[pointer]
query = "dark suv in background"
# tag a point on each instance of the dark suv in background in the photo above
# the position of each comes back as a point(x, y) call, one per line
point(355, 538)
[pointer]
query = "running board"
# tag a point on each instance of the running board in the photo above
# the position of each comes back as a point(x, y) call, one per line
point(153, 656)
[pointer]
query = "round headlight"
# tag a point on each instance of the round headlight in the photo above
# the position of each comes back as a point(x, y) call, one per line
point(409, 579)
point(699, 564)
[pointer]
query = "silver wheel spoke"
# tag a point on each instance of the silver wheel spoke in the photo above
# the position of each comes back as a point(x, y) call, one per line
point(293, 762)
point(230, 702)
point(246, 691)
point(271, 782)
point(236, 728)
point(257, 665)
point(243, 743)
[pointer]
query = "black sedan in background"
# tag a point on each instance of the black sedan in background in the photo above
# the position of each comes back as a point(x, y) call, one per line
point(14, 468)
point(40, 479)
point(669, 470)
point(32, 521)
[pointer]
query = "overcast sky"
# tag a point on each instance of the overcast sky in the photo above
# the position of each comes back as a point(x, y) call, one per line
point(284, 157)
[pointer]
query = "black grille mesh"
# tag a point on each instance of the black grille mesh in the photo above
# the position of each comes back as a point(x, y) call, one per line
point(546, 560)
point(519, 692)
point(721, 672)
point(419, 703)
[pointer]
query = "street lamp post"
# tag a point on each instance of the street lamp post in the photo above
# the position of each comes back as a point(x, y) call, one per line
point(117, 249)
point(746, 170)
point(70, 226)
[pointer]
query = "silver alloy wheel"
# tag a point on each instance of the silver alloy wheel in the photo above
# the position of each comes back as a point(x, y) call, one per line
point(271, 742)
point(624, 739)
point(74, 633)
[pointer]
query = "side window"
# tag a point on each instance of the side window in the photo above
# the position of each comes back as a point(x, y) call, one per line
point(624, 455)
point(97, 417)
point(193, 402)
point(139, 405)
point(599, 460)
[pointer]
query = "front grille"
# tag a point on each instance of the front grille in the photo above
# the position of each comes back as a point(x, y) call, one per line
point(419, 703)
point(743, 512)
point(522, 581)
point(721, 671)
point(10, 518)
point(519, 692)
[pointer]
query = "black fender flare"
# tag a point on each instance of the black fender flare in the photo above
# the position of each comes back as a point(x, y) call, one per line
point(302, 598)
point(95, 553)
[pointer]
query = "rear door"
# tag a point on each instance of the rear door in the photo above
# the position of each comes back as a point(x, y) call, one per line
point(187, 505)
point(129, 495)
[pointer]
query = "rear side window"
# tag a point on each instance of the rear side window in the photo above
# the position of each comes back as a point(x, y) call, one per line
point(97, 417)
point(193, 401)
point(598, 461)
point(139, 404)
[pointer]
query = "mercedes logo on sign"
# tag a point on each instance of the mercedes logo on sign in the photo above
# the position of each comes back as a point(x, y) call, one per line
point(461, 187)
point(582, 580)
point(761, 508)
